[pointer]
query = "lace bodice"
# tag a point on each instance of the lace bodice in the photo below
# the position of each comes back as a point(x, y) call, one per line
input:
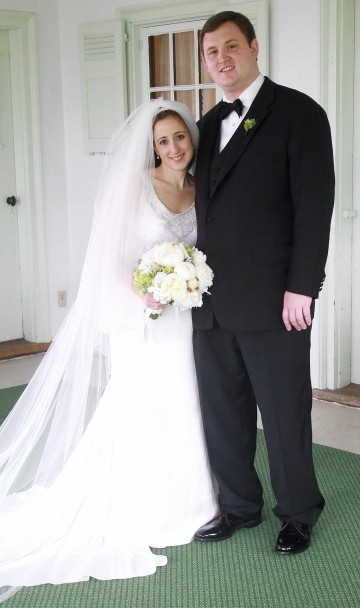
point(179, 224)
point(158, 224)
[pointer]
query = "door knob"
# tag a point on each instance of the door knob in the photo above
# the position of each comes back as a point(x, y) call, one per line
point(11, 200)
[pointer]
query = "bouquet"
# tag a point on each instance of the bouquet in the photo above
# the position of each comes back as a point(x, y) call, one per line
point(175, 274)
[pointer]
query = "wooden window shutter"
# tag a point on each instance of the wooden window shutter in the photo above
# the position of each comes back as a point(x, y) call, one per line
point(103, 82)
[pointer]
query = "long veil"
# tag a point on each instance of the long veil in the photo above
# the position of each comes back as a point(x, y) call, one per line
point(49, 419)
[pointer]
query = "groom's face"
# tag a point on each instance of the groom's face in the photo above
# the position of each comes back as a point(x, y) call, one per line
point(229, 59)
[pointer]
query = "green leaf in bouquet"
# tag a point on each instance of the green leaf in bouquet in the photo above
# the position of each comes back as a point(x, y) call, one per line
point(168, 269)
point(142, 280)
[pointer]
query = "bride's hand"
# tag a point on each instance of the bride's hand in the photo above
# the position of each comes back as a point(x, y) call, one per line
point(150, 302)
point(148, 299)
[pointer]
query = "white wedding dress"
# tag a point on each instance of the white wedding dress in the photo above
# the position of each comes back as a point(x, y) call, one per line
point(139, 477)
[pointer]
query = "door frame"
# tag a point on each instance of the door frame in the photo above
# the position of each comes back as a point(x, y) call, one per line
point(332, 358)
point(27, 142)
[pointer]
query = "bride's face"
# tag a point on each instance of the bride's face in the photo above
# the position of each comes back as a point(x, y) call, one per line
point(172, 142)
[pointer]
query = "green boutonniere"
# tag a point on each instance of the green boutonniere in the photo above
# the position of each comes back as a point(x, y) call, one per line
point(249, 123)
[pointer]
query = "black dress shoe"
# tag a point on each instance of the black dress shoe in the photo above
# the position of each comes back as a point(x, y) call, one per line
point(294, 537)
point(223, 526)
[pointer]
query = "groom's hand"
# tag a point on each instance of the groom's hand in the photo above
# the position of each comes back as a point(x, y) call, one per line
point(296, 311)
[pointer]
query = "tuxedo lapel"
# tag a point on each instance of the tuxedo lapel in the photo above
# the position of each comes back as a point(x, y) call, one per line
point(208, 140)
point(241, 138)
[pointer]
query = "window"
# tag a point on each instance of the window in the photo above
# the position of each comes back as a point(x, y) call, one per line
point(172, 66)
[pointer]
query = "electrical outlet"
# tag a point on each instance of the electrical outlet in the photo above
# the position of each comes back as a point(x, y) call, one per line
point(62, 298)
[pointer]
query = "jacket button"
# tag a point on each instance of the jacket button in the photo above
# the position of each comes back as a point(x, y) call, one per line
point(209, 219)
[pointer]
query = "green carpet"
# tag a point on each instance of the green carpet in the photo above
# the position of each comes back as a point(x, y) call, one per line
point(243, 572)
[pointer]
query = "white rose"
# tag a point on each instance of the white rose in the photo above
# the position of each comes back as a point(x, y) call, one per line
point(170, 254)
point(185, 270)
point(204, 274)
point(193, 284)
point(192, 299)
point(174, 288)
point(198, 257)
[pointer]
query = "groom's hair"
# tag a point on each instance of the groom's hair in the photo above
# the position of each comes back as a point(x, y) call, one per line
point(213, 23)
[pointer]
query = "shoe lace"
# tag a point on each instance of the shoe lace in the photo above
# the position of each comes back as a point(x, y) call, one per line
point(297, 525)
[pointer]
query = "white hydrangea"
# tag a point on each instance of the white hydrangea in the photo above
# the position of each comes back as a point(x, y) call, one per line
point(192, 299)
point(156, 287)
point(205, 275)
point(198, 257)
point(147, 262)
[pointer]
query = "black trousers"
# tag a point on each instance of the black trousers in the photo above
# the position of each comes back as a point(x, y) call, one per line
point(236, 371)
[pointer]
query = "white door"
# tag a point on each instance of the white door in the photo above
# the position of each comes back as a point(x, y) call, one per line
point(11, 325)
point(355, 279)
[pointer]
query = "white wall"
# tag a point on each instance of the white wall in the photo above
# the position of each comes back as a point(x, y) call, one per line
point(70, 177)
point(295, 45)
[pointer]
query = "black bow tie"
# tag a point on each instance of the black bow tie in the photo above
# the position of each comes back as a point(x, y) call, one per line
point(225, 108)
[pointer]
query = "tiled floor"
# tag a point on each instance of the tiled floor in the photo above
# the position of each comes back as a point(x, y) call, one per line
point(335, 425)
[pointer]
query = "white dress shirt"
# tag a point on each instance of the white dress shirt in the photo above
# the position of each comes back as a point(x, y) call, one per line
point(231, 122)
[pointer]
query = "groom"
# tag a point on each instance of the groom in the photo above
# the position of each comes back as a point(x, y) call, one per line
point(264, 199)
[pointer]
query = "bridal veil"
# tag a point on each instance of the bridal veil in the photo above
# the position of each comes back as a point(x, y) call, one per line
point(45, 426)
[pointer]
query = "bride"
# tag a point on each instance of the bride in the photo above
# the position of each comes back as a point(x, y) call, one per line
point(103, 456)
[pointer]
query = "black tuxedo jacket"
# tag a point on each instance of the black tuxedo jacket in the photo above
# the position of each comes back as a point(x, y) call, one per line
point(264, 218)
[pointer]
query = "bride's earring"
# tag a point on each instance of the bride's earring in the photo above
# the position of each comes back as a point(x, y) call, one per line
point(157, 159)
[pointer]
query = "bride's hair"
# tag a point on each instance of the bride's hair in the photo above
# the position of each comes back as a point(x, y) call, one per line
point(165, 113)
